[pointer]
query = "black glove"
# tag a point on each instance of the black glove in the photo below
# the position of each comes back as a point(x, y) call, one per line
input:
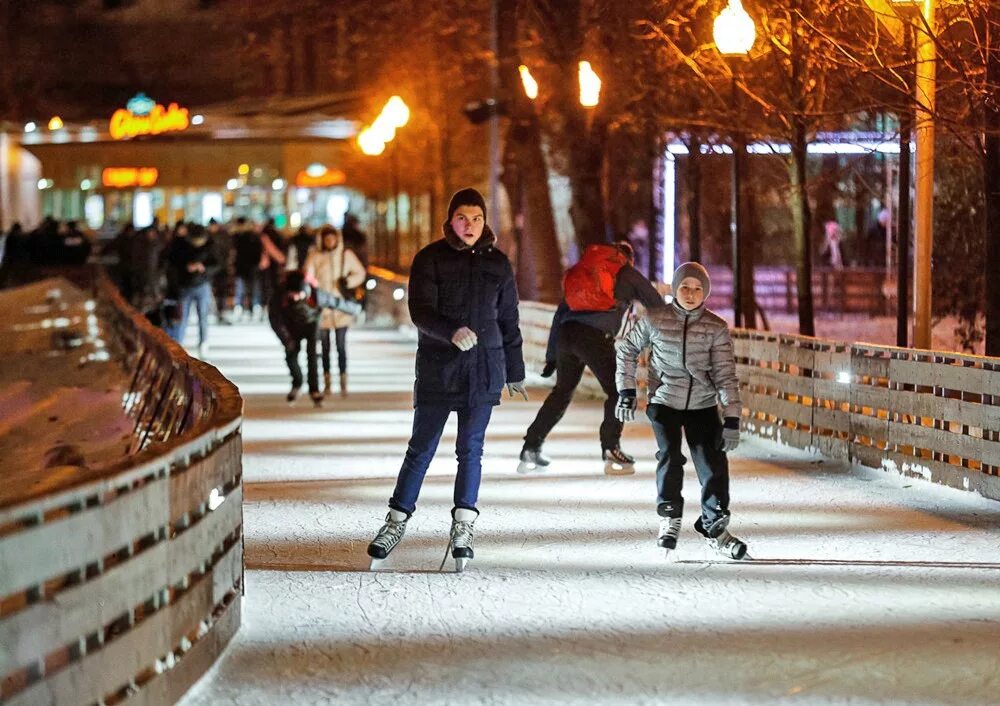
point(625, 411)
point(548, 369)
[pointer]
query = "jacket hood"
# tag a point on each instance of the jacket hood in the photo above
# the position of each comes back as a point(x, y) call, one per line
point(487, 240)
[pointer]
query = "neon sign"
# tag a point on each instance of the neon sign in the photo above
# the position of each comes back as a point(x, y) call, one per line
point(316, 178)
point(124, 177)
point(144, 116)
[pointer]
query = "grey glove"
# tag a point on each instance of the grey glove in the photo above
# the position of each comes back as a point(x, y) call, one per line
point(517, 387)
point(625, 411)
point(730, 439)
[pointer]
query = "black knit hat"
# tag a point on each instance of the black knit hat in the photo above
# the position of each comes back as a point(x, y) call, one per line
point(466, 197)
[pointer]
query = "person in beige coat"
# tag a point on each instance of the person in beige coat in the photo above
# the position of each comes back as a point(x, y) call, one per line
point(336, 270)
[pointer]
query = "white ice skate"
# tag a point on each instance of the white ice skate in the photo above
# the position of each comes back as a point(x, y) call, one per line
point(460, 544)
point(618, 463)
point(670, 529)
point(728, 546)
point(387, 538)
point(532, 460)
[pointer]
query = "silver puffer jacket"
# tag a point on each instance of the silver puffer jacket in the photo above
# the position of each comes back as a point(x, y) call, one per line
point(691, 359)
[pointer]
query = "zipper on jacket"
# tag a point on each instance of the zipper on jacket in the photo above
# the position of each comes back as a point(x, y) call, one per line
point(684, 347)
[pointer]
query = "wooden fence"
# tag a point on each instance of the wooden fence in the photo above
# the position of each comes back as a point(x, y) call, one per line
point(125, 583)
point(928, 414)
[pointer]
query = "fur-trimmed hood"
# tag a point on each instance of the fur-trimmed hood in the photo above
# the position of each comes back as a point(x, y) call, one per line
point(487, 240)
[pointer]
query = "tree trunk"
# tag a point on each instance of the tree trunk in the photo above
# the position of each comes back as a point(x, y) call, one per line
point(991, 173)
point(586, 162)
point(801, 217)
point(528, 187)
point(694, 199)
point(802, 229)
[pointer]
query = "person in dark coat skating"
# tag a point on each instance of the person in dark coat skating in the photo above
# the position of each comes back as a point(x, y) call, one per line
point(463, 301)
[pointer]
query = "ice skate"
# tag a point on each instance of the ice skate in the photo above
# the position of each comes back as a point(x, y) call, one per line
point(618, 463)
point(728, 546)
point(460, 543)
point(327, 385)
point(532, 460)
point(723, 542)
point(387, 538)
point(293, 394)
point(670, 529)
point(317, 398)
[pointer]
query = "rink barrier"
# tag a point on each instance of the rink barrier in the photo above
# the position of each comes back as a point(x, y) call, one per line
point(127, 584)
point(928, 414)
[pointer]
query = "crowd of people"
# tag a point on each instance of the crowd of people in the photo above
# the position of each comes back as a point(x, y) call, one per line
point(225, 273)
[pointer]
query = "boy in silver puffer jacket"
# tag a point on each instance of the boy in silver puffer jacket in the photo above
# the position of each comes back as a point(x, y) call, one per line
point(692, 370)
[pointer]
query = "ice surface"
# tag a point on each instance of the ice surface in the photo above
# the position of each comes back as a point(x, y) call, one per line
point(866, 587)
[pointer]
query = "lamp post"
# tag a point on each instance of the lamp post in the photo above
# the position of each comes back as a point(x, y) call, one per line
point(734, 33)
point(372, 140)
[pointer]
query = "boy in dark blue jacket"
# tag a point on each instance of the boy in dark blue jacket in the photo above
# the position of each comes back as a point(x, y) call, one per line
point(463, 301)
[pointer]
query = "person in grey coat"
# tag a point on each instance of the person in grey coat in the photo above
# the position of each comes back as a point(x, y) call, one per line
point(692, 370)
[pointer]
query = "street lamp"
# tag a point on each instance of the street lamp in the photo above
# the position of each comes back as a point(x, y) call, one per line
point(923, 207)
point(734, 33)
point(372, 140)
point(590, 86)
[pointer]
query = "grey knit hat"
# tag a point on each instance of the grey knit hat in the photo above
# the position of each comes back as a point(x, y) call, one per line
point(692, 269)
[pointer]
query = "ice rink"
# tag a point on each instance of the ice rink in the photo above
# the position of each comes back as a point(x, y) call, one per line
point(864, 588)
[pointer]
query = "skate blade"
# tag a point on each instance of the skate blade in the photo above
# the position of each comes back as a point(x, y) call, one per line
point(670, 555)
point(377, 564)
point(618, 469)
point(460, 564)
point(524, 467)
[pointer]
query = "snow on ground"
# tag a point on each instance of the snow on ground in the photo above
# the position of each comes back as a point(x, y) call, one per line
point(60, 394)
point(865, 588)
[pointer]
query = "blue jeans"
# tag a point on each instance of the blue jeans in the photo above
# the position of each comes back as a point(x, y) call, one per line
point(428, 423)
point(201, 296)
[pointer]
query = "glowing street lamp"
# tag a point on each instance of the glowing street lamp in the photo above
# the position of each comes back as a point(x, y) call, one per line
point(590, 86)
point(55, 123)
point(528, 81)
point(396, 112)
point(370, 143)
point(733, 30)
point(734, 33)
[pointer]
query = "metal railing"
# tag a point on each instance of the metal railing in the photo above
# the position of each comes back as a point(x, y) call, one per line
point(125, 583)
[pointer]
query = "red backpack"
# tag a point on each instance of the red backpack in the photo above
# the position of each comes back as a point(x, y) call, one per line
point(589, 285)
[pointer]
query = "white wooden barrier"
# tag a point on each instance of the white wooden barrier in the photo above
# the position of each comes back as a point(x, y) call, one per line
point(124, 583)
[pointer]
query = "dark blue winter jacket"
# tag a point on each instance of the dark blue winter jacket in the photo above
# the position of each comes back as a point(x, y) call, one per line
point(452, 286)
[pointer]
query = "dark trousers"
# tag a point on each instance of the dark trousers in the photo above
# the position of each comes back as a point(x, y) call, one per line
point(248, 285)
point(340, 338)
point(428, 423)
point(292, 349)
point(579, 346)
point(703, 431)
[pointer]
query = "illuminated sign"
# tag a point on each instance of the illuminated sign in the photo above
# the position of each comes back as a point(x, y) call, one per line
point(124, 177)
point(144, 116)
point(328, 177)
